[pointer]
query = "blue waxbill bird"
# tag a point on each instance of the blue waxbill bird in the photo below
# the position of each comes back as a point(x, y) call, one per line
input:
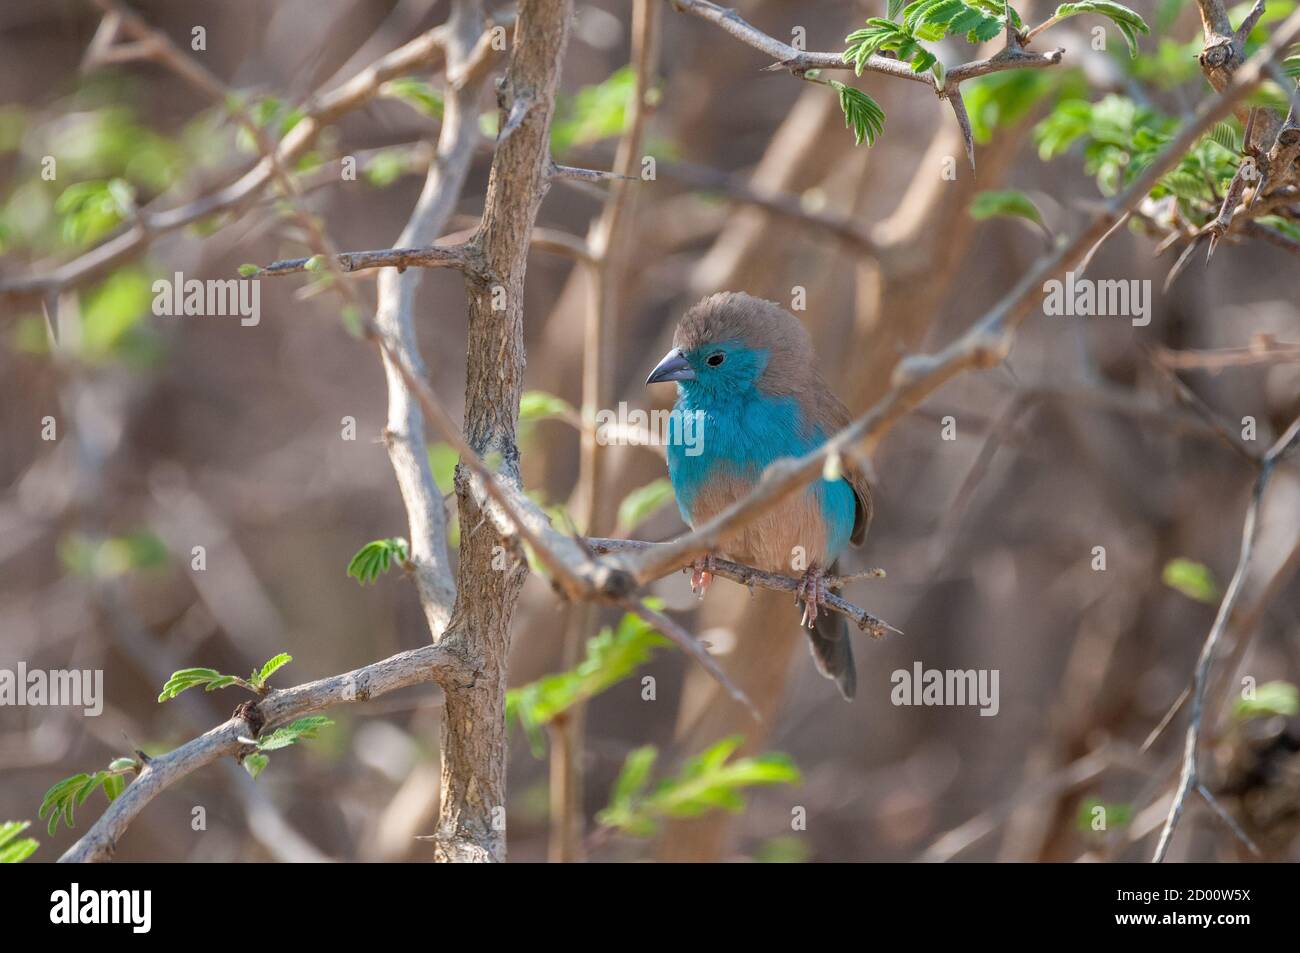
point(746, 368)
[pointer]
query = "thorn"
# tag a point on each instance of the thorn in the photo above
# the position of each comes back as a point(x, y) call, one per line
point(963, 120)
point(1181, 263)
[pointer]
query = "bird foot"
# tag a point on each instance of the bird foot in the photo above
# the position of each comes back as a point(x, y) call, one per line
point(812, 594)
point(701, 576)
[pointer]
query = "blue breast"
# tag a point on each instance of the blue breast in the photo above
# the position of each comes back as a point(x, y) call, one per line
point(741, 437)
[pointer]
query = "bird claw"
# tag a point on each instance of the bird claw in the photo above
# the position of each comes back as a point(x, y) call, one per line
point(701, 576)
point(812, 593)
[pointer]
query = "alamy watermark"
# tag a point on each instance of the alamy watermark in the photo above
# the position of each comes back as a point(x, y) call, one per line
point(74, 688)
point(1106, 298)
point(952, 687)
point(215, 297)
point(132, 908)
point(639, 428)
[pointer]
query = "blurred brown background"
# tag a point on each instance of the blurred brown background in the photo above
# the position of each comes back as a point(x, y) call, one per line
point(199, 431)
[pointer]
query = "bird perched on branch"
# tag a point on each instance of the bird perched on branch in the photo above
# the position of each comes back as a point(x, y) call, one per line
point(745, 369)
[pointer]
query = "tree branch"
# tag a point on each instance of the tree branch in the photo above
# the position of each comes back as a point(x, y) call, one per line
point(799, 61)
point(445, 663)
point(460, 256)
point(750, 577)
point(1189, 778)
point(466, 40)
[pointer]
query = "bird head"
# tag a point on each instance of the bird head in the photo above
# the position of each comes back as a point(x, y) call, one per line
point(731, 344)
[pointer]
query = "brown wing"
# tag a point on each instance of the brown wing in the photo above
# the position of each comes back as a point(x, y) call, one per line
point(834, 417)
point(862, 493)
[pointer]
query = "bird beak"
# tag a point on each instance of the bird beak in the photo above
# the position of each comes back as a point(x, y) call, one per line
point(674, 367)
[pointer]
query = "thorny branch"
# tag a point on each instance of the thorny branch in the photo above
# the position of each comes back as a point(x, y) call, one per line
point(1189, 778)
point(799, 62)
point(1267, 179)
point(750, 577)
point(444, 662)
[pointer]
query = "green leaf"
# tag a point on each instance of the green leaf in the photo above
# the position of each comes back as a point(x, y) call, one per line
point(188, 678)
point(595, 113)
point(706, 782)
point(1003, 99)
point(1271, 698)
point(86, 789)
point(442, 462)
point(56, 797)
point(316, 263)
point(1127, 21)
point(18, 851)
point(416, 92)
point(881, 35)
point(112, 557)
point(1224, 134)
point(386, 167)
point(351, 317)
point(862, 114)
point(112, 313)
point(271, 667)
point(249, 270)
point(635, 775)
point(717, 754)
point(11, 829)
point(537, 405)
point(374, 559)
point(267, 113)
point(1192, 579)
point(786, 849)
point(612, 656)
point(1007, 203)
point(13, 850)
point(1117, 815)
point(254, 763)
point(73, 791)
point(59, 800)
point(92, 209)
point(931, 20)
point(293, 732)
point(1066, 125)
point(642, 503)
point(1000, 9)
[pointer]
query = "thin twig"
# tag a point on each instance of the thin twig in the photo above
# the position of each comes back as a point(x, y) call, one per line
point(749, 576)
point(1189, 777)
point(430, 256)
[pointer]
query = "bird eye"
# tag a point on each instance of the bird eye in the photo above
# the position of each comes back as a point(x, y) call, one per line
point(714, 359)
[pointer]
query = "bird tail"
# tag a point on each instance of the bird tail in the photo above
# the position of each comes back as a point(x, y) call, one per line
point(832, 650)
